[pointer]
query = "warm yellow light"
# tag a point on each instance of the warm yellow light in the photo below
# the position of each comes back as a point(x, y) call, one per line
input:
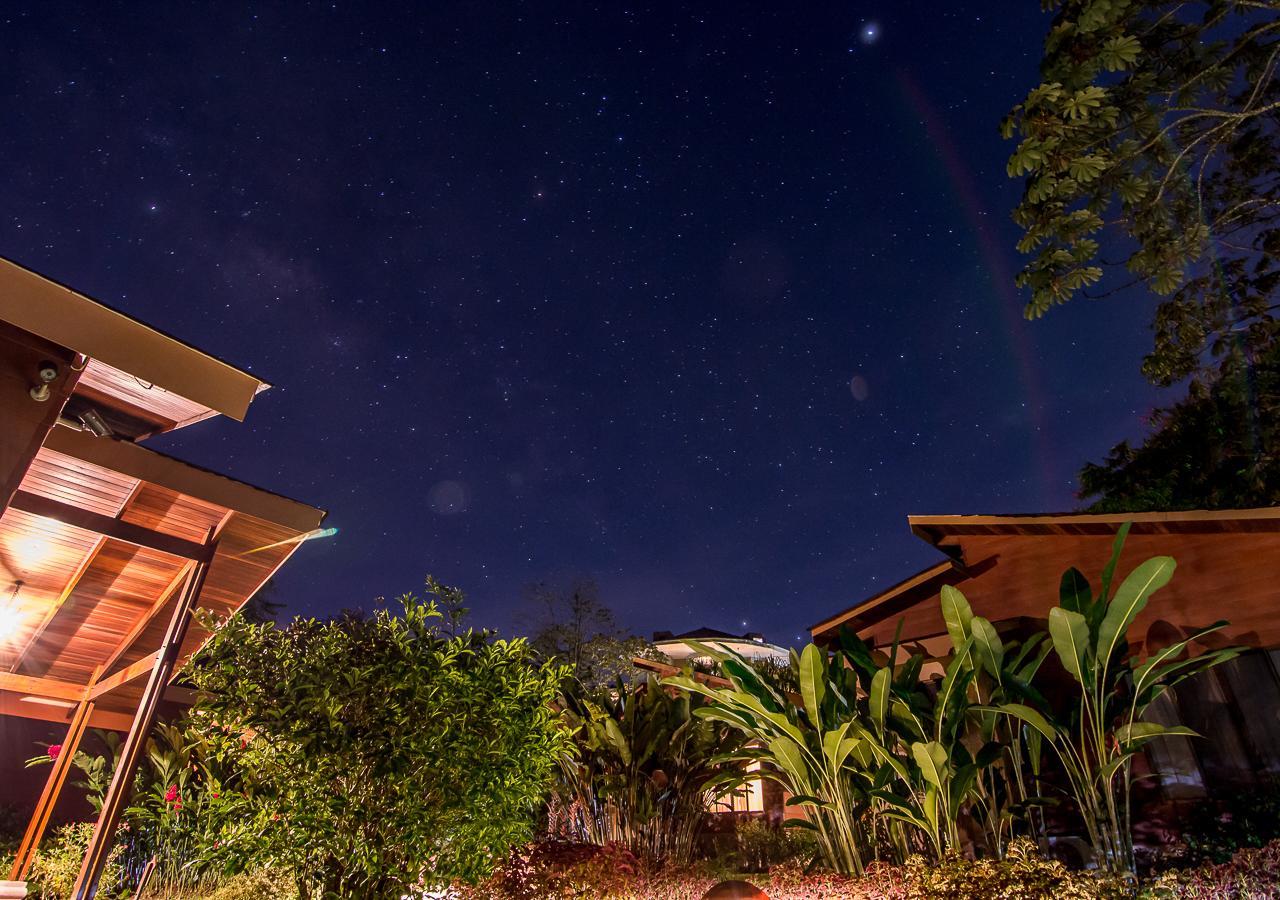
point(32, 551)
point(10, 619)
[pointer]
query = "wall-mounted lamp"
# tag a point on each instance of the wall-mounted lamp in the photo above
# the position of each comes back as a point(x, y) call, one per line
point(47, 374)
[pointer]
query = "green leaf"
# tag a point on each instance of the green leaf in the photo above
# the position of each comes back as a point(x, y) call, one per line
point(791, 759)
point(932, 760)
point(813, 682)
point(1074, 593)
point(957, 615)
point(1070, 633)
point(879, 699)
point(987, 646)
point(1025, 714)
point(1130, 599)
point(1138, 733)
point(1109, 570)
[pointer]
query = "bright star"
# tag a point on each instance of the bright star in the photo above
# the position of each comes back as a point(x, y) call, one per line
point(869, 33)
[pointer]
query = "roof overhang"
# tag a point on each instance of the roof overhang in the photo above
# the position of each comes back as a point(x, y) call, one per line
point(58, 314)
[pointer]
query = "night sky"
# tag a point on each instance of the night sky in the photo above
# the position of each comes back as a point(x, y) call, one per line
point(697, 300)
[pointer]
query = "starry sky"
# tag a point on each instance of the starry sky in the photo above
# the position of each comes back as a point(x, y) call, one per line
point(699, 300)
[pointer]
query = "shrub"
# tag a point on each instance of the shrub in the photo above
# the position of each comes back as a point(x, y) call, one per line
point(1231, 822)
point(57, 864)
point(1252, 874)
point(374, 757)
point(761, 845)
point(1022, 875)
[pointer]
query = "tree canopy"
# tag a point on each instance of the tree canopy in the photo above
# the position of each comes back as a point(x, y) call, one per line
point(1158, 122)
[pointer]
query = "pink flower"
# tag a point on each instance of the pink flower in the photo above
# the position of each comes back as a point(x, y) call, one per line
point(172, 794)
point(54, 750)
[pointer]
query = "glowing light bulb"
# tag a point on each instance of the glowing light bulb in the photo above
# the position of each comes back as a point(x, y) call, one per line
point(10, 620)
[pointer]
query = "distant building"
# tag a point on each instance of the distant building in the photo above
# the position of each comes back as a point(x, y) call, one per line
point(752, 645)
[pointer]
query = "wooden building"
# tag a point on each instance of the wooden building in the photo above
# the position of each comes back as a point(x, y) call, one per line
point(107, 546)
point(1228, 567)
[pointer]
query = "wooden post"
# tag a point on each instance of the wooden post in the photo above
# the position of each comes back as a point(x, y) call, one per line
point(52, 788)
point(95, 857)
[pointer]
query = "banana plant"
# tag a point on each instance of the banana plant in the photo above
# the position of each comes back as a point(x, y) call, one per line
point(812, 748)
point(644, 767)
point(1097, 736)
point(1002, 672)
point(933, 760)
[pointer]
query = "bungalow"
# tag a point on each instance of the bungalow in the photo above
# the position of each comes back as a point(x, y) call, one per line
point(1228, 568)
point(106, 546)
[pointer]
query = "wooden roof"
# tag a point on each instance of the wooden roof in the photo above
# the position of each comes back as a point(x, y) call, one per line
point(130, 361)
point(92, 605)
point(979, 545)
point(101, 532)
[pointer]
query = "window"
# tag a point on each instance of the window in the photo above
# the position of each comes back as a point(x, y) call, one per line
point(748, 798)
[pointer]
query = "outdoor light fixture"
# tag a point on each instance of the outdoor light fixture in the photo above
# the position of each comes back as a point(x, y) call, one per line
point(296, 539)
point(48, 375)
point(93, 422)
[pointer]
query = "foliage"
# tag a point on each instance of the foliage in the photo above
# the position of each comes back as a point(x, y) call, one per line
point(1217, 449)
point(1252, 874)
point(579, 630)
point(373, 756)
point(558, 871)
point(644, 769)
point(804, 748)
point(1158, 118)
point(1098, 733)
point(762, 845)
point(57, 864)
point(1021, 875)
point(1232, 821)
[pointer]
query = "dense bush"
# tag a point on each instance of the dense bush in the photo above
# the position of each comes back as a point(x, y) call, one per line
point(374, 757)
point(56, 865)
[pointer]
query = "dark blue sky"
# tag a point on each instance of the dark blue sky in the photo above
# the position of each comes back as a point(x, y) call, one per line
point(551, 290)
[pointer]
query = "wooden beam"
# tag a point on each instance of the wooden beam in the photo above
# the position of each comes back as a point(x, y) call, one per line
point(100, 845)
point(48, 688)
point(20, 707)
point(61, 767)
point(49, 614)
point(97, 523)
point(146, 465)
point(124, 676)
point(140, 625)
point(27, 421)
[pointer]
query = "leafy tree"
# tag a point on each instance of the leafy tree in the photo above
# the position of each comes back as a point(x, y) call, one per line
point(578, 629)
point(1159, 120)
point(376, 755)
point(1218, 450)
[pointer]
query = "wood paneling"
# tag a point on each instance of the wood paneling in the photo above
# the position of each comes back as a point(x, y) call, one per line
point(139, 398)
point(1219, 575)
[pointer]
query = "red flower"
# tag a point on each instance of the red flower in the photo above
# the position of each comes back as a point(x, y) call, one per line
point(172, 795)
point(215, 795)
point(54, 750)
